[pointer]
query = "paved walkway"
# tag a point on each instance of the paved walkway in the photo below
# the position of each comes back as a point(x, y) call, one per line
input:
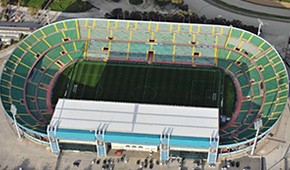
point(108, 5)
point(271, 3)
point(259, 8)
point(275, 148)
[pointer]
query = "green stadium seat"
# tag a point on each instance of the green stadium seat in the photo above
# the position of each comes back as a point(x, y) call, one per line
point(71, 24)
point(183, 59)
point(55, 38)
point(236, 33)
point(204, 29)
point(72, 34)
point(48, 30)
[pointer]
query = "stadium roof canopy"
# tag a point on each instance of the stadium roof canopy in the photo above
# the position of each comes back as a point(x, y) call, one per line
point(136, 118)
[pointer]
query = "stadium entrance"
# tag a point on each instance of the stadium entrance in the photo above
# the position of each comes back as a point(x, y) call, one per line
point(78, 147)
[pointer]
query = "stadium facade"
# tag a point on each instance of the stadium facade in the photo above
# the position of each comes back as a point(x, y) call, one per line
point(131, 126)
point(259, 74)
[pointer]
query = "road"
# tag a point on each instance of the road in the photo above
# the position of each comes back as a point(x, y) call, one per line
point(276, 32)
point(204, 8)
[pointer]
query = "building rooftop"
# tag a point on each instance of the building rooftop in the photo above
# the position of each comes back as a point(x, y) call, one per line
point(136, 118)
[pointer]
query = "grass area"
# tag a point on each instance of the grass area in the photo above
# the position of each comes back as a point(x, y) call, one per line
point(135, 2)
point(243, 10)
point(61, 5)
point(229, 96)
point(33, 3)
point(140, 83)
point(283, 0)
point(70, 6)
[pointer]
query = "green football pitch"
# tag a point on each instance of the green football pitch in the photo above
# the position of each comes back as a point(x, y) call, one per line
point(140, 83)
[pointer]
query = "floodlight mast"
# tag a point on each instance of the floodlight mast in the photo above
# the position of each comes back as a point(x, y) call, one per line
point(258, 124)
point(13, 110)
point(47, 15)
point(261, 23)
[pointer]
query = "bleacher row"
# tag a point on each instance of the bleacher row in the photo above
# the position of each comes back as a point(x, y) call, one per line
point(261, 76)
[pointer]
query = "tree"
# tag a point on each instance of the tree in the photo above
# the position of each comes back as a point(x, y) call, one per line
point(162, 2)
point(126, 14)
point(184, 7)
point(177, 1)
point(4, 3)
point(137, 15)
point(117, 13)
point(33, 11)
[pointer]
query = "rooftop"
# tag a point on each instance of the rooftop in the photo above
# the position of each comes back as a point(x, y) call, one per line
point(136, 118)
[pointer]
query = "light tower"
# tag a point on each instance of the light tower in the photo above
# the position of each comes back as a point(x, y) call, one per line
point(13, 110)
point(261, 23)
point(258, 124)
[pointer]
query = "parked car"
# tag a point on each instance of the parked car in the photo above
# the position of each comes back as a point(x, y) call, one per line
point(118, 153)
point(224, 168)
point(76, 164)
point(141, 165)
point(126, 160)
point(233, 163)
point(145, 163)
point(157, 162)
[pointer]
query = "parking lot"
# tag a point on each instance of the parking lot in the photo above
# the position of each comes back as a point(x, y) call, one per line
point(68, 160)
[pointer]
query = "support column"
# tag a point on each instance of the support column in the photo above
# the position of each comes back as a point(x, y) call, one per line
point(53, 142)
point(164, 144)
point(101, 147)
point(213, 148)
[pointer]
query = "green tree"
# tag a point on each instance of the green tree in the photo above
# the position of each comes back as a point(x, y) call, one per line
point(33, 11)
point(4, 3)
point(117, 13)
point(162, 2)
point(177, 1)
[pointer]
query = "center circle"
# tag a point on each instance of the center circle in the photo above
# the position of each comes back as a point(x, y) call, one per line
point(144, 93)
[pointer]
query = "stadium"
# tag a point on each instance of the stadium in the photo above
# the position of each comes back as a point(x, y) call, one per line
point(183, 90)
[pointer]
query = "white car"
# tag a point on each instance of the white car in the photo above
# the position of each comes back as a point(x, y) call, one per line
point(141, 165)
point(211, 165)
point(126, 160)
